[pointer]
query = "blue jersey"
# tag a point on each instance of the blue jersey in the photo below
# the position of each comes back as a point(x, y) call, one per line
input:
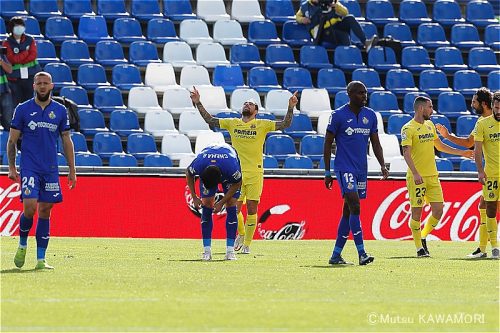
point(351, 134)
point(223, 156)
point(40, 130)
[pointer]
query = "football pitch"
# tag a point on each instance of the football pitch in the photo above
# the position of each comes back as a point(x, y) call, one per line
point(102, 284)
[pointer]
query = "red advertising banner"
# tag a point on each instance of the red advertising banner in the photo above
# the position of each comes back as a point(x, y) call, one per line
point(298, 208)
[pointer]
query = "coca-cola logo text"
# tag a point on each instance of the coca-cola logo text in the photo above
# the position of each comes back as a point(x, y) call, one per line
point(9, 218)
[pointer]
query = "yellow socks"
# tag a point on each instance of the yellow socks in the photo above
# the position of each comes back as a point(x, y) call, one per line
point(483, 231)
point(491, 224)
point(241, 224)
point(250, 229)
point(431, 223)
point(415, 231)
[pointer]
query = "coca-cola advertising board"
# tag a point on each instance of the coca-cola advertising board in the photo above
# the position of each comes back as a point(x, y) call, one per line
point(298, 208)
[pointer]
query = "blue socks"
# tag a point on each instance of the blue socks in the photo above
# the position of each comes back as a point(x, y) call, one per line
point(25, 225)
point(42, 237)
point(231, 225)
point(342, 235)
point(206, 225)
point(357, 234)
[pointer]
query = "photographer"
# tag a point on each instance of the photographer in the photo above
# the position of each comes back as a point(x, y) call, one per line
point(6, 107)
point(336, 21)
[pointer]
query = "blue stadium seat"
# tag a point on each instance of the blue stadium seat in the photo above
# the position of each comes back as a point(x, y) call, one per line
point(10, 8)
point(384, 102)
point(455, 159)
point(369, 77)
point(127, 30)
point(91, 122)
point(322, 163)
point(141, 144)
point(297, 79)
point(449, 59)
point(126, 77)
point(75, 9)
point(108, 99)
point(494, 80)
point(91, 76)
point(332, 79)
point(492, 36)
point(109, 53)
point(354, 9)
point(78, 95)
point(75, 53)
point(157, 161)
point(280, 146)
point(146, 10)
point(314, 57)
point(400, 31)
point(341, 98)
point(230, 77)
point(263, 33)
point(92, 28)
point(433, 82)
point(409, 99)
point(348, 58)
point(59, 29)
point(400, 81)
point(452, 104)
point(280, 56)
point(467, 165)
point(431, 35)
point(122, 160)
point(444, 164)
point(79, 142)
point(265, 115)
point(61, 74)
point(245, 55)
point(124, 122)
point(88, 159)
point(33, 27)
point(263, 79)
point(142, 53)
point(300, 127)
point(106, 144)
point(298, 162)
point(295, 34)
point(112, 9)
point(178, 10)
point(161, 30)
point(46, 52)
point(467, 82)
point(480, 13)
point(413, 12)
point(382, 59)
point(270, 162)
point(441, 119)
point(311, 145)
point(380, 12)
point(465, 125)
point(43, 9)
point(483, 60)
point(447, 13)
point(465, 36)
point(368, 28)
point(3, 29)
point(416, 59)
point(279, 11)
point(396, 122)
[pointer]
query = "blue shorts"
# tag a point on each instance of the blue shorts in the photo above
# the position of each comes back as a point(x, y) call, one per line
point(352, 182)
point(207, 193)
point(43, 187)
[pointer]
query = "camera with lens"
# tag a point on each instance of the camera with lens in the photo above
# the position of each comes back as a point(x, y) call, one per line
point(325, 4)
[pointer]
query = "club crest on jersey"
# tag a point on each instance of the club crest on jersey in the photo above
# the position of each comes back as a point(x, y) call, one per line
point(419, 201)
point(491, 195)
point(52, 115)
point(27, 191)
point(365, 120)
point(15, 50)
point(253, 126)
point(350, 186)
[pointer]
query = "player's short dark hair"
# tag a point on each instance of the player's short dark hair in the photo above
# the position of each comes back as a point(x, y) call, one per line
point(211, 176)
point(484, 95)
point(496, 97)
point(353, 84)
point(419, 101)
point(16, 20)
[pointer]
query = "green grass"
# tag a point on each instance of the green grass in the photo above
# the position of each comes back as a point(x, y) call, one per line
point(160, 285)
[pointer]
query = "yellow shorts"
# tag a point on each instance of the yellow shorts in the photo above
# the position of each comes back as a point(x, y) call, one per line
point(429, 191)
point(491, 190)
point(251, 186)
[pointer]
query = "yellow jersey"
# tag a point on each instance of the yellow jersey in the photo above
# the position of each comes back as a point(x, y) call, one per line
point(248, 140)
point(488, 132)
point(474, 131)
point(420, 137)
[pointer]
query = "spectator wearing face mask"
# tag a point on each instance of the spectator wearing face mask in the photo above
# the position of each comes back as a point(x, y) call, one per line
point(22, 54)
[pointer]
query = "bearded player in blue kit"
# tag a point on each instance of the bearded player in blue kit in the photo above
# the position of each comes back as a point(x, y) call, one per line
point(216, 164)
point(352, 126)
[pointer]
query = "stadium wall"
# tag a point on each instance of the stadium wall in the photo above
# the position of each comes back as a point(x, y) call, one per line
point(292, 207)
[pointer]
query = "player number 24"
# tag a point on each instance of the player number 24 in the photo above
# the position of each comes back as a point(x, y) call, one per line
point(492, 185)
point(30, 181)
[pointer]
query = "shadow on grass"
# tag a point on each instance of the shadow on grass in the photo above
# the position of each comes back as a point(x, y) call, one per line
point(198, 260)
point(329, 266)
point(16, 271)
point(409, 257)
point(471, 259)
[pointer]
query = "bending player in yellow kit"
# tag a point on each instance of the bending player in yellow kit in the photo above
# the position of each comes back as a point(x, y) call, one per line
point(487, 143)
point(247, 137)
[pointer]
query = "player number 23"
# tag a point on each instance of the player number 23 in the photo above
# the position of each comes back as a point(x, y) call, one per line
point(30, 181)
point(492, 185)
point(420, 192)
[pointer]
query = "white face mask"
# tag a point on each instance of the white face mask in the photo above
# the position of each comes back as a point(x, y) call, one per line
point(18, 30)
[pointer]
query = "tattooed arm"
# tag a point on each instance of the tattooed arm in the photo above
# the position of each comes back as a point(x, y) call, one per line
point(287, 121)
point(209, 119)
